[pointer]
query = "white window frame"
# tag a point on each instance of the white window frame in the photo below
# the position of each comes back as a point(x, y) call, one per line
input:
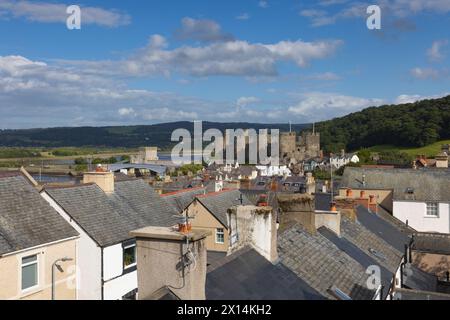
point(135, 256)
point(427, 215)
point(222, 233)
point(36, 262)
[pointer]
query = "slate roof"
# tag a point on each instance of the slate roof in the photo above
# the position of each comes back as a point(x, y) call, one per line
point(246, 275)
point(179, 200)
point(363, 257)
point(438, 243)
point(371, 244)
point(417, 279)
point(321, 264)
point(428, 184)
point(214, 257)
point(219, 202)
point(26, 219)
point(108, 218)
point(393, 234)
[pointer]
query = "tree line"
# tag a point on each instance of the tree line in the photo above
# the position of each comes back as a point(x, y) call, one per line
point(404, 125)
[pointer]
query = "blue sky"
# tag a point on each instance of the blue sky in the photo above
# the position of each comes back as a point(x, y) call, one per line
point(144, 62)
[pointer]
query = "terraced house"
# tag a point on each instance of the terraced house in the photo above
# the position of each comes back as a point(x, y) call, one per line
point(104, 211)
point(38, 248)
point(417, 197)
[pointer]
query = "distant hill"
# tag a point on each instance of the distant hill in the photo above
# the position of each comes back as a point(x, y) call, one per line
point(405, 125)
point(120, 136)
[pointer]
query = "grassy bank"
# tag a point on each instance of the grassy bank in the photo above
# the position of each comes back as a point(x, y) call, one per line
point(430, 150)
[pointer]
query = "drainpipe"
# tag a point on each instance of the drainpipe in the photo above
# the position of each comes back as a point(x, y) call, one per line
point(102, 281)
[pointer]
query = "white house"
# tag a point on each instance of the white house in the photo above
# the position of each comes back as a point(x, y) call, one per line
point(104, 213)
point(270, 171)
point(343, 159)
point(418, 197)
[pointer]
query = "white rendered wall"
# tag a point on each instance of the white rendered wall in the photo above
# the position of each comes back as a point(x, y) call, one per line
point(88, 259)
point(116, 288)
point(116, 283)
point(415, 213)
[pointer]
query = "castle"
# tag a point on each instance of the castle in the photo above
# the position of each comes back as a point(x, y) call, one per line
point(294, 149)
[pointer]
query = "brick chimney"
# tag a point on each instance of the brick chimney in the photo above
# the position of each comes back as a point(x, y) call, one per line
point(104, 180)
point(170, 259)
point(254, 226)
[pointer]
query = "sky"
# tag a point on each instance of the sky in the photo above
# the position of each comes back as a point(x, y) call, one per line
point(275, 61)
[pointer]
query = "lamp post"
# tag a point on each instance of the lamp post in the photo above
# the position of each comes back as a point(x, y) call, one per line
point(55, 264)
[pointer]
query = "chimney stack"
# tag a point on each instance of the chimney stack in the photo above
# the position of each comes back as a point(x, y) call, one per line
point(300, 208)
point(169, 259)
point(104, 180)
point(254, 226)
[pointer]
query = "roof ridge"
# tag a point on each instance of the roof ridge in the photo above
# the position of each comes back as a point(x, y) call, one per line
point(53, 187)
point(181, 191)
point(216, 193)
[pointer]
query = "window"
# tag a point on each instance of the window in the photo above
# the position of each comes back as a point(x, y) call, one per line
point(432, 209)
point(129, 255)
point(29, 272)
point(220, 235)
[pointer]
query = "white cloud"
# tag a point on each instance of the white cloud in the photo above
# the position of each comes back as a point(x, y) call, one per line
point(321, 106)
point(406, 98)
point(435, 53)
point(46, 12)
point(126, 112)
point(39, 94)
point(245, 101)
point(263, 4)
point(357, 9)
point(36, 94)
point(243, 16)
point(425, 73)
point(326, 76)
point(231, 58)
point(201, 30)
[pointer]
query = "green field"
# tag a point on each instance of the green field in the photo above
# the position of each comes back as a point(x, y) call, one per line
point(429, 151)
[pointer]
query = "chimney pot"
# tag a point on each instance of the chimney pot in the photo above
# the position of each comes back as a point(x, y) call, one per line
point(349, 193)
point(362, 194)
point(333, 207)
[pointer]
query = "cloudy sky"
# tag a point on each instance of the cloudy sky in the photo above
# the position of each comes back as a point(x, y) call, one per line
point(144, 62)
